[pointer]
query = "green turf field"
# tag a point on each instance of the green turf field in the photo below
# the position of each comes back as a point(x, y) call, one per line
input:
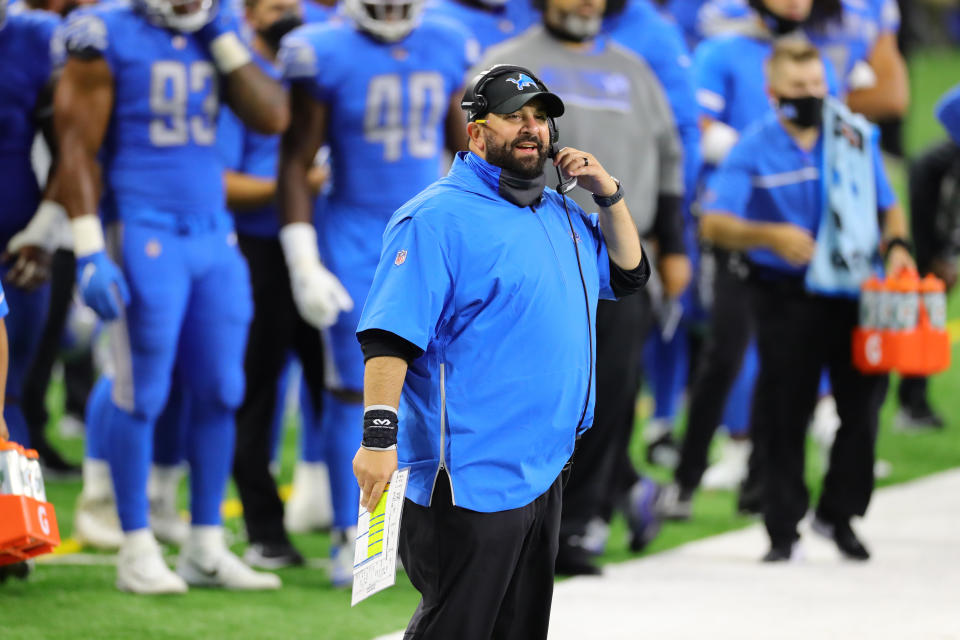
point(79, 600)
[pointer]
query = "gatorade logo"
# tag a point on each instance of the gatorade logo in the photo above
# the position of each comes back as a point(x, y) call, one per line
point(873, 349)
point(42, 517)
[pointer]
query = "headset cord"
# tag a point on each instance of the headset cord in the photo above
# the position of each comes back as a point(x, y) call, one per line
point(586, 303)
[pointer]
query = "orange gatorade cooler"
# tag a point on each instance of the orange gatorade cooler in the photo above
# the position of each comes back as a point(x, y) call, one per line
point(907, 336)
point(28, 525)
point(871, 345)
point(936, 341)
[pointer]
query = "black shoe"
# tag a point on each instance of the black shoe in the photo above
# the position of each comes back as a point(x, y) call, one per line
point(54, 466)
point(272, 555)
point(750, 499)
point(842, 534)
point(917, 416)
point(664, 452)
point(782, 552)
point(573, 560)
point(18, 570)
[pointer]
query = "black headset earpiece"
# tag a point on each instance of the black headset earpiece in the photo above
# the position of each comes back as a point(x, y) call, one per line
point(554, 138)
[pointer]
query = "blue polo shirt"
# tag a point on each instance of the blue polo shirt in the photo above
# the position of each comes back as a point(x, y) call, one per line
point(948, 113)
point(492, 293)
point(768, 178)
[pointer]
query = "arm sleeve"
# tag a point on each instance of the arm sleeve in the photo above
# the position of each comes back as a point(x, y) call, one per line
point(729, 188)
point(592, 223)
point(376, 343)
point(4, 308)
point(889, 16)
point(668, 224)
point(624, 282)
point(412, 284)
point(948, 113)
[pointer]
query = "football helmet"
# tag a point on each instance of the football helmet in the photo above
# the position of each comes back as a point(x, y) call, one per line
point(185, 16)
point(387, 20)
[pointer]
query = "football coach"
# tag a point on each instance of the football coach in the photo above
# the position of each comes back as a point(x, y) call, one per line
point(478, 333)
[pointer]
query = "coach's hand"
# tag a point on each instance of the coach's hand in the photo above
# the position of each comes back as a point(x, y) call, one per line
point(318, 294)
point(102, 285)
point(587, 169)
point(373, 470)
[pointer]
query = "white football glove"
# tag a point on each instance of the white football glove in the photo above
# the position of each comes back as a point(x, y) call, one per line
point(318, 294)
point(48, 229)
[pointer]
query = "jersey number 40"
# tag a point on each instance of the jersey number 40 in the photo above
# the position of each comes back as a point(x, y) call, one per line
point(383, 120)
point(172, 84)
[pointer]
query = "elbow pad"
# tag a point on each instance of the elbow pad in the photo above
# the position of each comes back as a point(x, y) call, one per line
point(717, 141)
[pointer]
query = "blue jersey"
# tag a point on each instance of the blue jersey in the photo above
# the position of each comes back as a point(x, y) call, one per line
point(246, 151)
point(28, 49)
point(159, 157)
point(851, 38)
point(768, 178)
point(316, 12)
point(4, 308)
point(643, 30)
point(487, 26)
point(731, 80)
point(387, 106)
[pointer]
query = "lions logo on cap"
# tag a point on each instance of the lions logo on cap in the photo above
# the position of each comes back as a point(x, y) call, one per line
point(523, 81)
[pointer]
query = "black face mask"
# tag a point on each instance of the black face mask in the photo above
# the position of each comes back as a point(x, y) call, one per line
point(273, 33)
point(805, 112)
point(777, 24)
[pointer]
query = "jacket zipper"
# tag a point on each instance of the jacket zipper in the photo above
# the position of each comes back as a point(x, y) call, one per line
point(443, 428)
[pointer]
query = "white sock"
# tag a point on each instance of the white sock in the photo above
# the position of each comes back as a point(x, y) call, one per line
point(657, 428)
point(97, 483)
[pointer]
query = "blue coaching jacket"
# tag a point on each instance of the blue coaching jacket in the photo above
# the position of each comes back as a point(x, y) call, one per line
point(492, 293)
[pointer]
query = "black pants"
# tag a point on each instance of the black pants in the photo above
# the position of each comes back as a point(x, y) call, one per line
point(78, 372)
point(276, 329)
point(601, 465)
point(731, 327)
point(797, 336)
point(481, 576)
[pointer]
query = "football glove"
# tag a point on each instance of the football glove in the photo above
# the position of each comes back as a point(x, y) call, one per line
point(317, 293)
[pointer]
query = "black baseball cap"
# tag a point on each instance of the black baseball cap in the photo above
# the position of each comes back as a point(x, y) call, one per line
point(507, 90)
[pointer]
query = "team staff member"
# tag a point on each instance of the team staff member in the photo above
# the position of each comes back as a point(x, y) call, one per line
point(766, 199)
point(483, 303)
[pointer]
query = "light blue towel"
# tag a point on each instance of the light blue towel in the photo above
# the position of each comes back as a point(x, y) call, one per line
point(849, 233)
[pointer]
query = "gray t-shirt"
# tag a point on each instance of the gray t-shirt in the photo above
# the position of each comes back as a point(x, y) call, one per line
point(615, 109)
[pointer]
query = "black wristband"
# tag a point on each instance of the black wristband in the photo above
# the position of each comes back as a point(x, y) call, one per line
point(380, 426)
point(897, 242)
point(609, 201)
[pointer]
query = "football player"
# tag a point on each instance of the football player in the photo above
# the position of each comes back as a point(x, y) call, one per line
point(28, 221)
point(383, 90)
point(141, 88)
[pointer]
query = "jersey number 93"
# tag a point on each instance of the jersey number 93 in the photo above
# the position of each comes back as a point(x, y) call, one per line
point(172, 84)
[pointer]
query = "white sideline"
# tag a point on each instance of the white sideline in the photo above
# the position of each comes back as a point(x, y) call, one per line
point(716, 588)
